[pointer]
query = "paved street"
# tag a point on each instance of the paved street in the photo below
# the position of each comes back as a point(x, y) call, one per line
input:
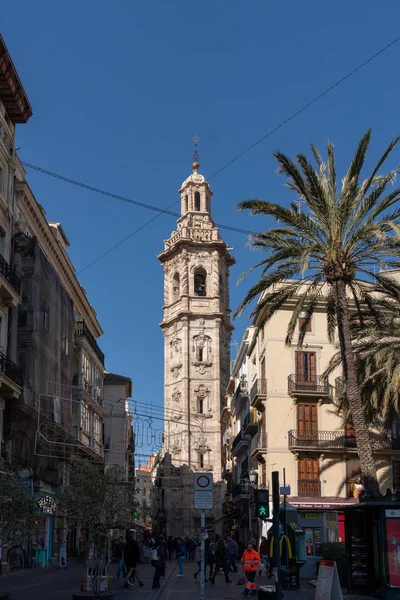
point(54, 583)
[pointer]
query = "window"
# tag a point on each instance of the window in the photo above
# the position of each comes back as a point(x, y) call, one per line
point(176, 287)
point(201, 460)
point(306, 367)
point(309, 484)
point(85, 420)
point(65, 340)
point(301, 322)
point(97, 428)
point(200, 282)
point(185, 204)
point(45, 314)
point(307, 421)
point(197, 201)
point(200, 405)
point(200, 354)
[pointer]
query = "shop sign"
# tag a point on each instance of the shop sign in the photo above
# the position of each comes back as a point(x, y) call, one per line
point(46, 505)
point(311, 515)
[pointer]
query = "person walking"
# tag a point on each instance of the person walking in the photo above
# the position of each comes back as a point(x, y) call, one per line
point(132, 557)
point(180, 554)
point(158, 562)
point(232, 553)
point(197, 558)
point(251, 562)
point(264, 554)
point(221, 561)
point(119, 553)
point(210, 557)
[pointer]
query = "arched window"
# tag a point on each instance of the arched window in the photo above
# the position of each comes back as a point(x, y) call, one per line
point(200, 282)
point(185, 204)
point(176, 287)
point(200, 405)
point(197, 201)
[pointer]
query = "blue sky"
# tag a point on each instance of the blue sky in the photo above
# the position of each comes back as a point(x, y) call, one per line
point(119, 88)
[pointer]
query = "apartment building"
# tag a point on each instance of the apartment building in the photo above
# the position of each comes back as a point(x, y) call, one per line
point(14, 109)
point(284, 419)
point(119, 442)
point(143, 494)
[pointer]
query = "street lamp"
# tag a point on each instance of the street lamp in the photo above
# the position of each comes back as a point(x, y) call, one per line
point(253, 474)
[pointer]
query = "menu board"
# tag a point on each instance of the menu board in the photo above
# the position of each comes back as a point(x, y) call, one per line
point(393, 546)
point(328, 584)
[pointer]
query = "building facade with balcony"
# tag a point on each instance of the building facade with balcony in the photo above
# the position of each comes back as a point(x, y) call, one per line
point(299, 430)
point(119, 441)
point(14, 109)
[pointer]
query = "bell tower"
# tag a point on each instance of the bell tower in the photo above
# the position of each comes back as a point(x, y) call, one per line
point(197, 331)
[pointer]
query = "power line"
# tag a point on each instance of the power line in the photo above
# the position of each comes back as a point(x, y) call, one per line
point(225, 166)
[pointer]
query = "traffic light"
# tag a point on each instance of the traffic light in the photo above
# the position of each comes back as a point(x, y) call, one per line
point(262, 504)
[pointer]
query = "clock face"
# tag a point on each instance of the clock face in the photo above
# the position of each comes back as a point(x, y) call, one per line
point(47, 505)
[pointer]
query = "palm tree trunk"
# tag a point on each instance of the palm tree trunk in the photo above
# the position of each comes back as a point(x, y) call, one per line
point(364, 447)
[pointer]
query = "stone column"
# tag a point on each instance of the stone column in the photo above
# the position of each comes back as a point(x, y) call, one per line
point(166, 285)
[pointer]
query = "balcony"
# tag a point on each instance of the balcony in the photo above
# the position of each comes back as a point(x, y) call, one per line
point(336, 440)
point(309, 488)
point(317, 385)
point(239, 443)
point(258, 393)
point(259, 446)
point(240, 492)
point(10, 285)
point(11, 377)
point(240, 397)
point(250, 425)
point(81, 330)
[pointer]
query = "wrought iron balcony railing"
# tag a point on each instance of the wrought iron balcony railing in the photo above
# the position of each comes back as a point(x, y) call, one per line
point(11, 370)
point(9, 274)
point(259, 444)
point(82, 330)
point(250, 423)
point(313, 385)
point(337, 439)
point(309, 488)
point(239, 439)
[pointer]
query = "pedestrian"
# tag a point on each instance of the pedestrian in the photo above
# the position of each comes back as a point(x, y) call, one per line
point(170, 547)
point(180, 554)
point(251, 562)
point(210, 556)
point(158, 561)
point(132, 557)
point(119, 553)
point(264, 554)
point(221, 561)
point(191, 548)
point(197, 558)
point(232, 553)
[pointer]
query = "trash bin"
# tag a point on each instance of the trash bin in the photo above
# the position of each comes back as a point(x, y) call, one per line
point(267, 592)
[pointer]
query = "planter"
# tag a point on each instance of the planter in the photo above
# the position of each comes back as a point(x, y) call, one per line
point(100, 596)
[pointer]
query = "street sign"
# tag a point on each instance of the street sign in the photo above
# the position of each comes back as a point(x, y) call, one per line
point(203, 482)
point(203, 499)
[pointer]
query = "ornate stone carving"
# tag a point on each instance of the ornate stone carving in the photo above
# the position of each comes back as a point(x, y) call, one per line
point(175, 348)
point(175, 370)
point(176, 396)
point(202, 367)
point(202, 391)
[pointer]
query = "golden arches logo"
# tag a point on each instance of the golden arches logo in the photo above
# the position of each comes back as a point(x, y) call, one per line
point(289, 546)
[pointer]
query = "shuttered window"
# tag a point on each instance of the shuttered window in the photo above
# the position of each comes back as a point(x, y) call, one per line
point(306, 366)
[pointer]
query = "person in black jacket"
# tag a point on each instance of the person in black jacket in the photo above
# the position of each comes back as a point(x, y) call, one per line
point(158, 562)
point(132, 557)
point(221, 560)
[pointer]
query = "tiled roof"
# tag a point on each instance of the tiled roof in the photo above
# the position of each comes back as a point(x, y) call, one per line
point(114, 378)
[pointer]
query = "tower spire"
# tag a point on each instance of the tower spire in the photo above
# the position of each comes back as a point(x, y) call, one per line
point(195, 163)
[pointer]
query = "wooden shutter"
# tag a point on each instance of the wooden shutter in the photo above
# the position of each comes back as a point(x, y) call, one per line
point(302, 468)
point(306, 369)
point(307, 419)
point(301, 321)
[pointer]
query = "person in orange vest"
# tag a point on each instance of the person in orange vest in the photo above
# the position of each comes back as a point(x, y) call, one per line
point(251, 562)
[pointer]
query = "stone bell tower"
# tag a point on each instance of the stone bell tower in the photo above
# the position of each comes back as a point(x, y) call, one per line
point(197, 332)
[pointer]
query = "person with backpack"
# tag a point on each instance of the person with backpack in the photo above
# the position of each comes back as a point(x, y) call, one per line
point(180, 554)
point(221, 561)
point(158, 562)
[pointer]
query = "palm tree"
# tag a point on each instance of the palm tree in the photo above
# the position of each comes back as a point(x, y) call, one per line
point(339, 237)
point(376, 347)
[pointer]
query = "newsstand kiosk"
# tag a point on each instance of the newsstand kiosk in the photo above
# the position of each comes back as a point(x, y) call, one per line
point(373, 547)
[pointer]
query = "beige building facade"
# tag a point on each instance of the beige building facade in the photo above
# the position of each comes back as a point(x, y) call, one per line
point(197, 330)
point(282, 417)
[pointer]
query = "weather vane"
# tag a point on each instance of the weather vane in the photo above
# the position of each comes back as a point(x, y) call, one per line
point(196, 141)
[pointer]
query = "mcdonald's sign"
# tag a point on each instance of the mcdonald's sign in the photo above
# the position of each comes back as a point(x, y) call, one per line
point(289, 546)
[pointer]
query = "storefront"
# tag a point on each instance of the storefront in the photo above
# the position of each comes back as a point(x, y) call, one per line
point(43, 540)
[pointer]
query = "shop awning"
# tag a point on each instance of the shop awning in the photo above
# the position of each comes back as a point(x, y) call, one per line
point(294, 527)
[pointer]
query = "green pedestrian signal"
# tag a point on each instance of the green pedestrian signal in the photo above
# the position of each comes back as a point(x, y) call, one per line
point(262, 504)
